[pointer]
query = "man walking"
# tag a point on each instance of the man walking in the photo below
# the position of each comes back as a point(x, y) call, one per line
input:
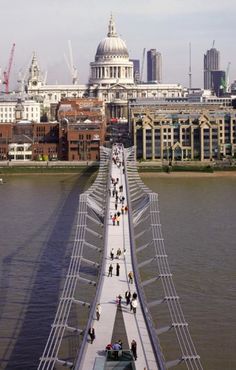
point(110, 270)
point(117, 269)
point(92, 334)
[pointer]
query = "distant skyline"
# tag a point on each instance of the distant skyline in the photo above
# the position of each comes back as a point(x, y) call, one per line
point(168, 27)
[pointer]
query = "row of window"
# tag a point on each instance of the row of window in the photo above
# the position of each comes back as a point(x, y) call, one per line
point(12, 109)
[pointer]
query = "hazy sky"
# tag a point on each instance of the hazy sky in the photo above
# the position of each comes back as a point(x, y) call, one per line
point(45, 26)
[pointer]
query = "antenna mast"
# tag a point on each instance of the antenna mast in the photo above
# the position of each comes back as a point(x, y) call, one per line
point(190, 67)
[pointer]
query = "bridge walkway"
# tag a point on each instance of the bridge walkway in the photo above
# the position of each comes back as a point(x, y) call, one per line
point(118, 237)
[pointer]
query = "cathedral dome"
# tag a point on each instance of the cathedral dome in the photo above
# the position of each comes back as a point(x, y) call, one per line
point(112, 45)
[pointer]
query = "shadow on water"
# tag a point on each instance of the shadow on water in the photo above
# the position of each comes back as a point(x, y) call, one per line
point(46, 283)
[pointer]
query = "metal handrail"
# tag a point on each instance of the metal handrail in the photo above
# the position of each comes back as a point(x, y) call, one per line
point(189, 354)
point(148, 319)
point(81, 352)
point(50, 354)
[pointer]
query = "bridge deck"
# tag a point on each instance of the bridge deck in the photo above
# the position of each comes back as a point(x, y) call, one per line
point(107, 328)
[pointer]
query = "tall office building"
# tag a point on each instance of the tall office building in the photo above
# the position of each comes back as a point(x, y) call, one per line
point(218, 82)
point(136, 69)
point(154, 66)
point(211, 63)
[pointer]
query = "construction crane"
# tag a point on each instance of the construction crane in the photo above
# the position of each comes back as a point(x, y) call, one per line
point(142, 64)
point(6, 74)
point(70, 64)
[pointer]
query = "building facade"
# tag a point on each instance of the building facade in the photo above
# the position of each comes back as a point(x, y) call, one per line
point(187, 132)
point(83, 128)
point(77, 135)
point(13, 110)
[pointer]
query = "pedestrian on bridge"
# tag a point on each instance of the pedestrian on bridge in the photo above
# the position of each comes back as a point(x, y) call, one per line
point(118, 220)
point(134, 349)
point(127, 297)
point(110, 270)
point(130, 276)
point(92, 334)
point(119, 298)
point(133, 305)
point(117, 269)
point(98, 311)
point(112, 254)
point(118, 253)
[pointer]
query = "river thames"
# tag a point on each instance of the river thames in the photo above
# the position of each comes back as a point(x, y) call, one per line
point(37, 225)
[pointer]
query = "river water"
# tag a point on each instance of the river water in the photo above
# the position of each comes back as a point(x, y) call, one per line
point(36, 233)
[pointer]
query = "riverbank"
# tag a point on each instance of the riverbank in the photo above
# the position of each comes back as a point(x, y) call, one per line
point(18, 168)
point(149, 168)
point(188, 174)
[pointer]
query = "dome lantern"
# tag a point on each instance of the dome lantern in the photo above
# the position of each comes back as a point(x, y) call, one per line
point(112, 28)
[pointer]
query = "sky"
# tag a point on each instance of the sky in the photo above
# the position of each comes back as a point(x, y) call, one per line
point(45, 26)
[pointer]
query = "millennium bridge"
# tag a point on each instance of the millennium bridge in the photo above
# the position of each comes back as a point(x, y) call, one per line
point(139, 240)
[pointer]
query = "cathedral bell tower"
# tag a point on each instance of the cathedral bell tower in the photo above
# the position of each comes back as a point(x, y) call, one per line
point(35, 78)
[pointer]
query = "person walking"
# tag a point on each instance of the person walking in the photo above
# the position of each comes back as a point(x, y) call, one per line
point(110, 270)
point(92, 334)
point(117, 269)
point(112, 254)
point(118, 220)
point(98, 311)
point(130, 276)
point(119, 298)
point(134, 349)
point(118, 253)
point(134, 305)
point(127, 297)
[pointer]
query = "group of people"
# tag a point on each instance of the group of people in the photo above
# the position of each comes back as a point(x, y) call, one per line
point(131, 300)
point(118, 253)
point(110, 269)
point(116, 348)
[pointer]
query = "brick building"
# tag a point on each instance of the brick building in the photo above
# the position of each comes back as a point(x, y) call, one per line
point(82, 128)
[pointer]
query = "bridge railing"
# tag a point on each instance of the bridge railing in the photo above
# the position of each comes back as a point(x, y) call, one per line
point(151, 266)
point(85, 264)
